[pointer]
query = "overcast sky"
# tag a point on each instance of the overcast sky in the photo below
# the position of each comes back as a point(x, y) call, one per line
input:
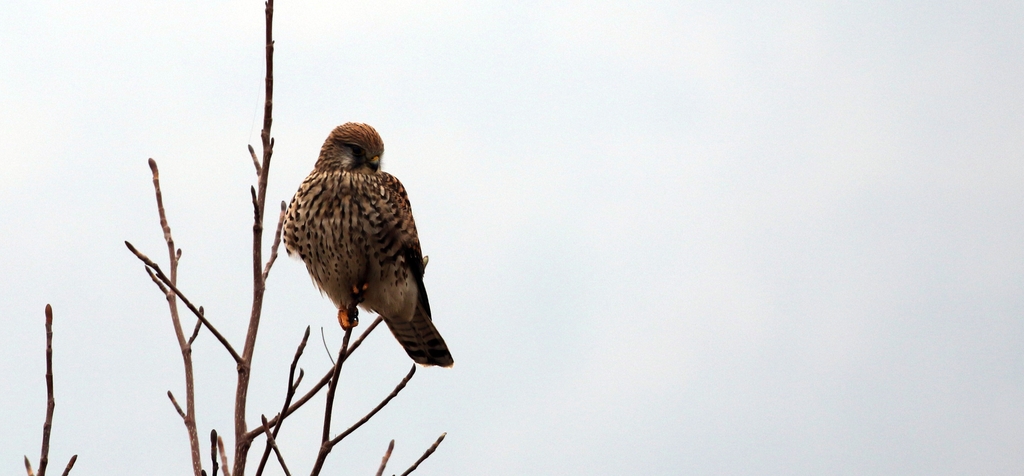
point(665, 237)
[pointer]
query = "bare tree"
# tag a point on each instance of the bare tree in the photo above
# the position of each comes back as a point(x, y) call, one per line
point(269, 428)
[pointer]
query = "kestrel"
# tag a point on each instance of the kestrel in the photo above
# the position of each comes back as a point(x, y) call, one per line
point(352, 225)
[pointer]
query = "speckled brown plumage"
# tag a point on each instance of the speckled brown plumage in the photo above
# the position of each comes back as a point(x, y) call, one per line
point(352, 225)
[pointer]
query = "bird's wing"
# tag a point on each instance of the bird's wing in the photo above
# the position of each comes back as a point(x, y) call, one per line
point(398, 232)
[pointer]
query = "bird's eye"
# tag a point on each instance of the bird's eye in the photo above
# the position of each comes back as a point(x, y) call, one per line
point(357, 151)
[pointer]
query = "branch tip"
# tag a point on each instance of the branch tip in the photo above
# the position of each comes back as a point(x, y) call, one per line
point(387, 456)
point(71, 464)
point(426, 454)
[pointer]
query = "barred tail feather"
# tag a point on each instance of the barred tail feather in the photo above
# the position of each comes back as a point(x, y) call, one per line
point(421, 340)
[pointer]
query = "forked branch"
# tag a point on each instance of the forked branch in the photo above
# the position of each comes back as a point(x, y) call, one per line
point(160, 278)
point(174, 255)
point(319, 385)
point(328, 445)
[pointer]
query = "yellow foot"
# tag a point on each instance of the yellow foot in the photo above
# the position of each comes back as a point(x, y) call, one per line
point(347, 320)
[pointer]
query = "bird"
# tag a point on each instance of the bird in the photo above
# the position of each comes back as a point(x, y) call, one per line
point(351, 224)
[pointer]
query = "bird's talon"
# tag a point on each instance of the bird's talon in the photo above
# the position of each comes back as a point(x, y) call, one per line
point(348, 319)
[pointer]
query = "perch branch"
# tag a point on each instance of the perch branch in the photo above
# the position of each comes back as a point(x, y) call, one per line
point(329, 410)
point(319, 385)
point(426, 455)
point(328, 445)
point(325, 449)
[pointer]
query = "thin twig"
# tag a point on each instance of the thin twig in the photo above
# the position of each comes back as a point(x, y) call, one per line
point(163, 289)
point(426, 455)
point(195, 330)
point(255, 161)
point(321, 384)
point(213, 450)
point(176, 406)
point(71, 464)
point(44, 457)
point(28, 467)
point(199, 314)
point(292, 385)
point(277, 242)
point(394, 393)
point(326, 349)
point(223, 456)
point(384, 460)
point(273, 444)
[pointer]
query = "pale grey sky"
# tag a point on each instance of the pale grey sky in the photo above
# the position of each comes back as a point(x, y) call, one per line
point(665, 237)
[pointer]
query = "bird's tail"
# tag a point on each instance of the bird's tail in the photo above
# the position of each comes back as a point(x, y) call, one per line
point(421, 340)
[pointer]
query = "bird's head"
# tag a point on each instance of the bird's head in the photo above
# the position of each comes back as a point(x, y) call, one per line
point(352, 147)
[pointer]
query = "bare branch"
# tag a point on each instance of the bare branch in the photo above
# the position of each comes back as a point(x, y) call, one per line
point(44, 457)
point(325, 449)
point(71, 464)
point(174, 254)
point(255, 161)
point(197, 312)
point(394, 393)
point(328, 445)
point(176, 406)
point(323, 380)
point(384, 460)
point(258, 281)
point(28, 467)
point(329, 410)
point(277, 242)
point(426, 454)
point(273, 444)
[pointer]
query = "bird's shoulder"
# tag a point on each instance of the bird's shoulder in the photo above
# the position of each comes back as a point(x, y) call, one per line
point(394, 191)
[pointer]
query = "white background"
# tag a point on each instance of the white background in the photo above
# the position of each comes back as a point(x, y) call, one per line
point(665, 237)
